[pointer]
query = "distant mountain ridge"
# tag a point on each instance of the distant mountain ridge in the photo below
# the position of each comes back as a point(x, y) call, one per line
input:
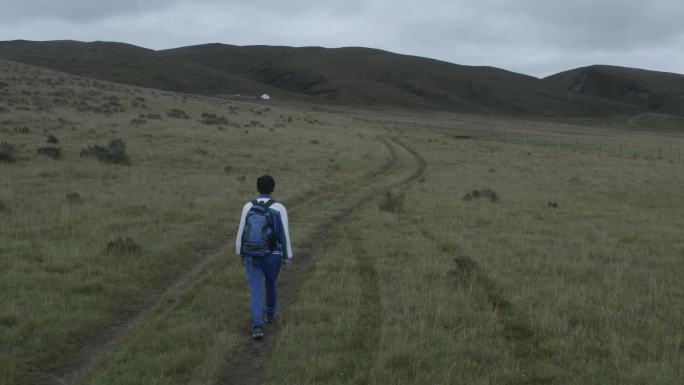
point(361, 76)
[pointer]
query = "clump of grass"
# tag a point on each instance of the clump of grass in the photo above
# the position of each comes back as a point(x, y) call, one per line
point(152, 116)
point(137, 122)
point(391, 202)
point(481, 194)
point(4, 207)
point(254, 123)
point(7, 153)
point(314, 141)
point(22, 130)
point(178, 114)
point(553, 205)
point(468, 272)
point(461, 137)
point(213, 119)
point(51, 152)
point(122, 246)
point(113, 153)
point(73, 197)
point(52, 139)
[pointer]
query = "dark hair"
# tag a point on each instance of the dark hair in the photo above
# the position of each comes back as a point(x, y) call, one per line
point(265, 184)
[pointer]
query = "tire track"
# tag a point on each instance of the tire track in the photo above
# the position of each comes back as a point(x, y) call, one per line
point(517, 328)
point(247, 364)
point(67, 372)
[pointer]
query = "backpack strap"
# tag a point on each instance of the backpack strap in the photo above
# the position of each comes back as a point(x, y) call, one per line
point(266, 204)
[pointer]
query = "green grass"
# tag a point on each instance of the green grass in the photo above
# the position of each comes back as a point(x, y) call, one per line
point(182, 190)
point(360, 77)
point(418, 286)
point(585, 293)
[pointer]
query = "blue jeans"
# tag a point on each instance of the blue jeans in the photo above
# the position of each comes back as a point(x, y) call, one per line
point(260, 270)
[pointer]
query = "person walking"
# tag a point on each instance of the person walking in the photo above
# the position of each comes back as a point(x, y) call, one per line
point(263, 244)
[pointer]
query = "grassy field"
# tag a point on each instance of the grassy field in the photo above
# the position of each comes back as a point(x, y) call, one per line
point(526, 252)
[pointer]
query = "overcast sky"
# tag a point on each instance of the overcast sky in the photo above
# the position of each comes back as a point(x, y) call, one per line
point(535, 37)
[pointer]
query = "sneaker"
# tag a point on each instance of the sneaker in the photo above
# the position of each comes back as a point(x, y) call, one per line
point(258, 333)
point(270, 318)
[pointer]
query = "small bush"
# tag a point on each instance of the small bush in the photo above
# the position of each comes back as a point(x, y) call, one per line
point(52, 139)
point(391, 202)
point(122, 246)
point(314, 142)
point(481, 194)
point(213, 119)
point(178, 114)
point(553, 205)
point(51, 152)
point(4, 207)
point(151, 116)
point(73, 197)
point(137, 122)
point(114, 152)
point(7, 153)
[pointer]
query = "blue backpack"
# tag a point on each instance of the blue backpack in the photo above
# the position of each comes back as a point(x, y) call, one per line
point(259, 234)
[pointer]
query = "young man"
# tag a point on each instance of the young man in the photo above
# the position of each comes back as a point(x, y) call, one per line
point(263, 243)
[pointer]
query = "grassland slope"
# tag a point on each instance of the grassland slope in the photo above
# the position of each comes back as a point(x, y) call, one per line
point(128, 64)
point(361, 75)
point(652, 91)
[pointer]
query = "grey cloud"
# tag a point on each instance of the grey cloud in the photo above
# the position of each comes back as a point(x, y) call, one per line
point(75, 10)
point(530, 36)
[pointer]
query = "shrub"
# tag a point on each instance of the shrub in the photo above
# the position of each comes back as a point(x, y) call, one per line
point(73, 197)
point(114, 152)
point(52, 139)
point(391, 202)
point(178, 114)
point(213, 119)
point(151, 116)
point(7, 153)
point(122, 246)
point(481, 194)
point(51, 152)
point(136, 122)
point(4, 207)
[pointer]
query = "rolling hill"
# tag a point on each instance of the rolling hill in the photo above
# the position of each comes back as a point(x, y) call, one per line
point(128, 64)
point(652, 91)
point(360, 76)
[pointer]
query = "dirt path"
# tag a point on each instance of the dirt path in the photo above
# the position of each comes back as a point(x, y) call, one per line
point(67, 372)
point(246, 368)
